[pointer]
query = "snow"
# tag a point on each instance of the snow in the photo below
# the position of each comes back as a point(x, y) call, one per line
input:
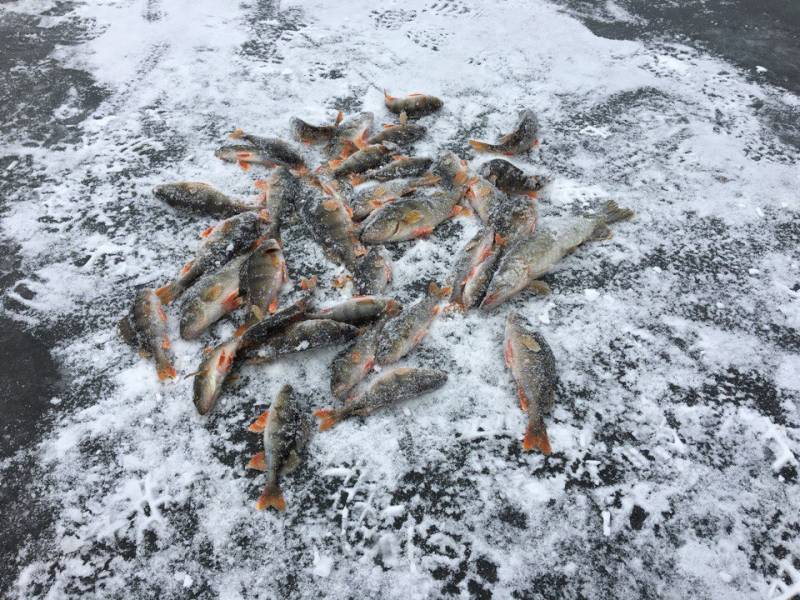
point(675, 340)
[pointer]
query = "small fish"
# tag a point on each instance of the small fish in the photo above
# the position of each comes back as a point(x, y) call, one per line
point(367, 200)
point(353, 364)
point(368, 157)
point(220, 243)
point(510, 179)
point(214, 369)
point(201, 198)
point(413, 105)
point(474, 269)
point(315, 134)
point(372, 273)
point(527, 259)
point(274, 150)
point(409, 217)
point(211, 298)
point(327, 218)
point(403, 333)
point(297, 337)
point(281, 193)
point(513, 217)
point(483, 196)
point(357, 310)
point(263, 330)
point(402, 166)
point(405, 134)
point(245, 155)
point(262, 277)
point(521, 139)
point(351, 135)
point(145, 328)
point(453, 173)
point(389, 388)
point(286, 434)
point(533, 367)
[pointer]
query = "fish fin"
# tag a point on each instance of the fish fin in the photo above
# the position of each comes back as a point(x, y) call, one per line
point(335, 162)
point(273, 306)
point(422, 231)
point(240, 331)
point(258, 462)
point(341, 281)
point(236, 134)
point(412, 216)
point(387, 97)
point(272, 496)
point(439, 292)
point(328, 418)
point(508, 354)
point(244, 166)
point(523, 399)
point(300, 171)
point(207, 232)
point(532, 195)
point(262, 185)
point(167, 293)
point(480, 146)
point(504, 139)
point(339, 118)
point(360, 250)
point(613, 213)
point(309, 283)
point(500, 240)
point(356, 179)
point(167, 372)
point(536, 437)
point(540, 287)
point(233, 301)
point(403, 118)
point(601, 232)
point(457, 210)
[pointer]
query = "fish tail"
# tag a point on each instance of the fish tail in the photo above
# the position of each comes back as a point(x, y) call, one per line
point(613, 212)
point(480, 146)
point(260, 423)
point(536, 437)
point(236, 134)
point(328, 418)
point(271, 496)
point(166, 371)
point(169, 292)
point(386, 96)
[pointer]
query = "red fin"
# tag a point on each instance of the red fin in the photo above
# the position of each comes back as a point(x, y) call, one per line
point(308, 284)
point(257, 462)
point(166, 293)
point(271, 496)
point(244, 166)
point(508, 354)
point(361, 141)
point(240, 330)
point(339, 118)
point(369, 364)
point(480, 146)
point(207, 232)
point(165, 343)
point(523, 399)
point(232, 302)
point(532, 194)
point(167, 372)
point(273, 306)
point(261, 184)
point(356, 179)
point(536, 440)
point(387, 97)
point(327, 418)
point(333, 163)
point(236, 134)
point(422, 231)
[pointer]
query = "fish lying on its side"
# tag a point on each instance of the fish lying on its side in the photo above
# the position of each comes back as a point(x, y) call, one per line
point(533, 367)
point(368, 200)
point(453, 173)
point(201, 198)
point(220, 243)
point(521, 139)
point(372, 273)
point(357, 310)
point(401, 334)
point(484, 196)
point(315, 134)
point(511, 179)
point(389, 388)
point(413, 105)
point(474, 269)
point(409, 217)
point(297, 337)
point(263, 330)
point(211, 298)
point(262, 277)
point(368, 157)
point(286, 431)
point(401, 166)
point(351, 135)
point(268, 150)
point(404, 134)
point(282, 192)
point(513, 218)
point(211, 375)
point(527, 259)
point(145, 328)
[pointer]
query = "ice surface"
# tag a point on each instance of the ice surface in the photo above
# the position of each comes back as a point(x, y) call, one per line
point(676, 428)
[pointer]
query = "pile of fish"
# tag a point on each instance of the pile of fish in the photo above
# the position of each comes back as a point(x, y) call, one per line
point(368, 191)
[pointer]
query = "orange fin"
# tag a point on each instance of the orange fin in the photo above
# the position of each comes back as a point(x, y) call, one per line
point(339, 118)
point(260, 423)
point(258, 462)
point(244, 165)
point(422, 231)
point(523, 399)
point(480, 146)
point(166, 293)
point(233, 301)
point(273, 306)
point(271, 497)
point(167, 372)
point(361, 141)
point(308, 284)
point(536, 440)
point(327, 418)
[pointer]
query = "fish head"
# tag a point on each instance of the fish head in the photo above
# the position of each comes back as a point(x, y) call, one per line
point(379, 227)
point(452, 170)
point(194, 320)
point(504, 284)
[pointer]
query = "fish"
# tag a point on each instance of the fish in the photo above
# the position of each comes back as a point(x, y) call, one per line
point(262, 277)
point(391, 387)
point(372, 273)
point(327, 218)
point(282, 191)
point(211, 375)
point(413, 105)
point(221, 243)
point(353, 364)
point(452, 172)
point(409, 217)
point(521, 139)
point(474, 269)
point(404, 332)
point(533, 366)
point(202, 198)
point(351, 135)
point(211, 298)
point(512, 180)
point(405, 134)
point(401, 166)
point(528, 259)
point(368, 157)
point(286, 432)
point(357, 310)
point(145, 328)
point(483, 197)
point(256, 334)
point(513, 217)
point(274, 150)
point(245, 155)
point(315, 134)
point(300, 336)
point(365, 201)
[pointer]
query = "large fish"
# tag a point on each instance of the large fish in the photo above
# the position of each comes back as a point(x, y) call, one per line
point(272, 150)
point(351, 135)
point(404, 332)
point(297, 337)
point(409, 217)
point(262, 277)
point(214, 369)
point(353, 364)
point(286, 430)
point(404, 134)
point(201, 198)
point(315, 134)
point(220, 243)
point(402, 166)
point(521, 139)
point(527, 259)
point(533, 367)
point(372, 273)
point(368, 157)
point(389, 388)
point(211, 298)
point(281, 193)
point(145, 328)
point(474, 269)
point(510, 179)
point(371, 198)
point(357, 310)
point(413, 105)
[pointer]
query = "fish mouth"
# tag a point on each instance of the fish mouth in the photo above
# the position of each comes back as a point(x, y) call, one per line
point(490, 300)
